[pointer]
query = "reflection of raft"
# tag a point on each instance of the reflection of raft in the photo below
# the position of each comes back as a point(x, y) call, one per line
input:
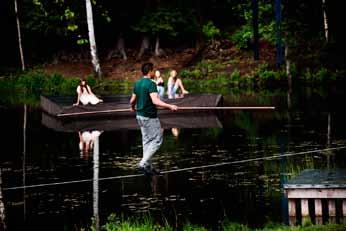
point(120, 122)
point(113, 113)
point(118, 105)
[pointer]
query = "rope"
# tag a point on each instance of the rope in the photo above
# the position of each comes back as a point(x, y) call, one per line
point(178, 170)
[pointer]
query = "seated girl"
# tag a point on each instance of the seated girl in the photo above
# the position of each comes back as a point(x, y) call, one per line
point(160, 84)
point(174, 83)
point(85, 95)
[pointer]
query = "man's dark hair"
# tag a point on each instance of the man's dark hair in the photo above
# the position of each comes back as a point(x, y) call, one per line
point(146, 67)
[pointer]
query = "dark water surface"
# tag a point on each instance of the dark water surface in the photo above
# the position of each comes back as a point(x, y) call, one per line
point(245, 189)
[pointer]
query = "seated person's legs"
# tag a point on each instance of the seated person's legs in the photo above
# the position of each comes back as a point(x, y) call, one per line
point(179, 83)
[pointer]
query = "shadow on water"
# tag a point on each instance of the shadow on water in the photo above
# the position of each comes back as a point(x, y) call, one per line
point(219, 167)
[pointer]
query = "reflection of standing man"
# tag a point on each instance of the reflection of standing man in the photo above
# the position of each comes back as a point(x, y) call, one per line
point(144, 100)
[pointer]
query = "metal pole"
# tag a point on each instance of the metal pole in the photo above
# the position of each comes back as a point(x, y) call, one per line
point(179, 108)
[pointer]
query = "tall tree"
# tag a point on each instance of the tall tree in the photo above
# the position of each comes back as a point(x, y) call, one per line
point(92, 41)
point(255, 29)
point(279, 51)
point(199, 35)
point(325, 20)
point(19, 36)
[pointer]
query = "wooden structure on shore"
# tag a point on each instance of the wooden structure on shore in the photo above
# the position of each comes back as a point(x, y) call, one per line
point(317, 194)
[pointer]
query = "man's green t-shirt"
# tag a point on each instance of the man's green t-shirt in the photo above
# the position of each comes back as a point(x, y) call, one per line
point(144, 104)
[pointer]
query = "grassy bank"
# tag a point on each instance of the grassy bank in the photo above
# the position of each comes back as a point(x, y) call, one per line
point(146, 224)
point(204, 77)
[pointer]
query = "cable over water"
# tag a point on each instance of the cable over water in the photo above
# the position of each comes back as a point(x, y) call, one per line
point(178, 170)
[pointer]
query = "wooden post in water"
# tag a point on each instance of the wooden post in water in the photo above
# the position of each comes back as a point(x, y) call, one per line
point(318, 212)
point(305, 209)
point(332, 210)
point(344, 210)
point(292, 211)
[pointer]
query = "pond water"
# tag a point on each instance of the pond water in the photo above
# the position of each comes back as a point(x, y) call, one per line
point(234, 170)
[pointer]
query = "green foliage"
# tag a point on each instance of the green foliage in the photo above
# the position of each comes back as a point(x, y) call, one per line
point(319, 76)
point(54, 83)
point(202, 69)
point(64, 19)
point(191, 227)
point(228, 226)
point(115, 223)
point(235, 76)
point(28, 86)
point(266, 76)
point(145, 223)
point(31, 81)
point(266, 27)
point(242, 36)
point(82, 41)
point(162, 21)
point(210, 31)
point(193, 74)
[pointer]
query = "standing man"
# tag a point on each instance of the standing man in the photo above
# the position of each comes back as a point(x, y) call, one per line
point(144, 101)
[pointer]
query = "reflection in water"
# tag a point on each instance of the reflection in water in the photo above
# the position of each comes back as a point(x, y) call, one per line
point(329, 153)
point(244, 192)
point(96, 151)
point(87, 141)
point(2, 207)
point(175, 132)
point(24, 159)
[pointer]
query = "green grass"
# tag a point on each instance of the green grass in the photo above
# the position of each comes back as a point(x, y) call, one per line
point(146, 223)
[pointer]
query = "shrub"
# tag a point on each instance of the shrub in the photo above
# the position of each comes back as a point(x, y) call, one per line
point(210, 31)
point(235, 76)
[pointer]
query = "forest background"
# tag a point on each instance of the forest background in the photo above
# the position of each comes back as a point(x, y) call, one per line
point(203, 40)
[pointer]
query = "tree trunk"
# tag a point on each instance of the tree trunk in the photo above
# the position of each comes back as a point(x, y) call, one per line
point(255, 29)
point(92, 41)
point(288, 69)
point(325, 20)
point(19, 36)
point(199, 36)
point(279, 58)
point(157, 46)
point(121, 46)
point(144, 46)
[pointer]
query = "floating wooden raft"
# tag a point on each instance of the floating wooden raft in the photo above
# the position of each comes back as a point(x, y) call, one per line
point(62, 106)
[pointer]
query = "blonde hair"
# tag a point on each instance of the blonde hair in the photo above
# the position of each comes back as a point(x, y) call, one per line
point(173, 73)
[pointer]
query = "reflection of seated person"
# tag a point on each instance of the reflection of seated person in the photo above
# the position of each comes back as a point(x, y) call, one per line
point(85, 95)
point(174, 84)
point(175, 132)
point(86, 142)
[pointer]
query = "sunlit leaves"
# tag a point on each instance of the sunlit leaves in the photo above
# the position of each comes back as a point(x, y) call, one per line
point(210, 31)
point(72, 27)
point(69, 14)
point(82, 41)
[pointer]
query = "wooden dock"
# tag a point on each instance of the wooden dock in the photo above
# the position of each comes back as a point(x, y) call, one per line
point(319, 195)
